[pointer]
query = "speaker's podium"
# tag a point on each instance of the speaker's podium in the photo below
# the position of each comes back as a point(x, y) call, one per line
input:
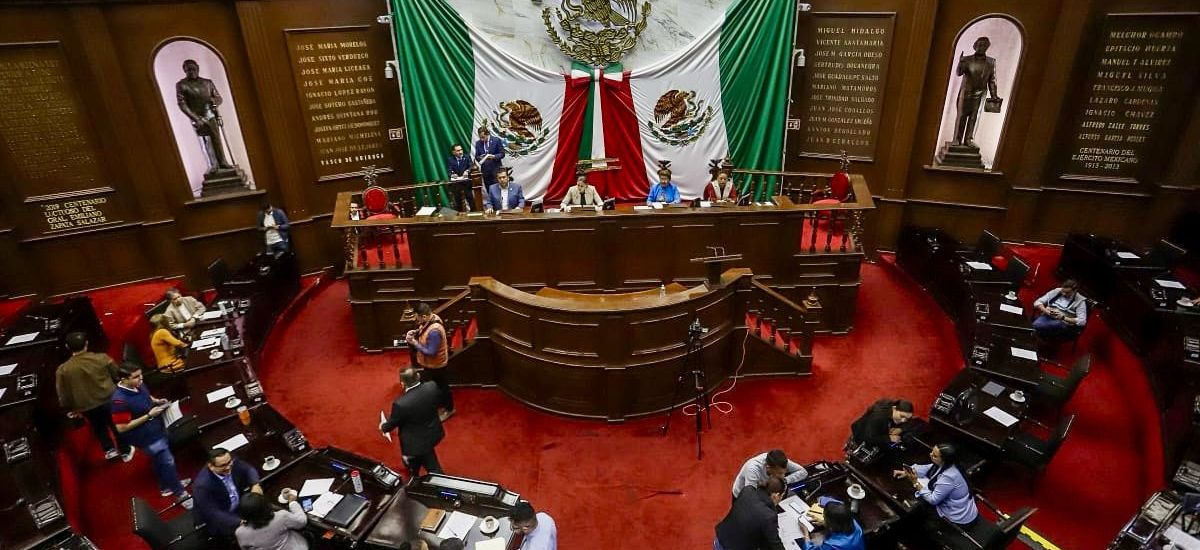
point(715, 264)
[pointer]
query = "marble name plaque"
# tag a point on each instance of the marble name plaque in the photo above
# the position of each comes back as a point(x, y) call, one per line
point(338, 80)
point(1138, 66)
point(43, 122)
point(845, 73)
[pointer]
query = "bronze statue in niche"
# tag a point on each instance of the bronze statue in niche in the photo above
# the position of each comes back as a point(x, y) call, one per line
point(199, 99)
point(978, 74)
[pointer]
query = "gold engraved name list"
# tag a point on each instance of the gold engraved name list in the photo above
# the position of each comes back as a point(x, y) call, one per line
point(847, 63)
point(336, 81)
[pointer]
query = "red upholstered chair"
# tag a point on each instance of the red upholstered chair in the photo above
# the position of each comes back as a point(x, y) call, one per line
point(377, 206)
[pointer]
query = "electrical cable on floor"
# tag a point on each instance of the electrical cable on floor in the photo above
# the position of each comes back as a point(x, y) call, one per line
point(723, 407)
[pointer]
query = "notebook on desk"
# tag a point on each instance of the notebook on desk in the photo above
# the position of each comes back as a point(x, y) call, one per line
point(346, 510)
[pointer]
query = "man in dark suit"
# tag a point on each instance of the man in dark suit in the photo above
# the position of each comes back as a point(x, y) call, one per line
point(415, 415)
point(505, 194)
point(459, 167)
point(489, 152)
point(753, 522)
point(217, 491)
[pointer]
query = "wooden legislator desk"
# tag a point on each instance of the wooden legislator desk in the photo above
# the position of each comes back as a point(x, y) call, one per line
point(793, 246)
point(618, 356)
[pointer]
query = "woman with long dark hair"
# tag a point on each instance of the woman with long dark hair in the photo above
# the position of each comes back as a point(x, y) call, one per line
point(880, 424)
point(266, 529)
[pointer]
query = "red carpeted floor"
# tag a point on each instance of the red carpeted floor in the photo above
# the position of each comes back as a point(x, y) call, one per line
point(624, 486)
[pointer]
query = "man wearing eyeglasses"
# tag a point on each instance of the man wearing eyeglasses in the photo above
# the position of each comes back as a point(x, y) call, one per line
point(539, 529)
point(218, 490)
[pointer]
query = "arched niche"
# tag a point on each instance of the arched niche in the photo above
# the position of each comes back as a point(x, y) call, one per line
point(1007, 46)
point(194, 150)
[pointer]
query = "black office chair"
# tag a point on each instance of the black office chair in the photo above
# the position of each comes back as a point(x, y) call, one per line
point(984, 534)
point(178, 533)
point(1016, 271)
point(987, 247)
point(1033, 451)
point(1059, 389)
point(131, 354)
point(1166, 254)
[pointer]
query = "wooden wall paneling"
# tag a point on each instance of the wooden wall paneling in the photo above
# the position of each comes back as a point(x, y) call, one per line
point(577, 259)
point(280, 113)
point(1184, 171)
point(641, 265)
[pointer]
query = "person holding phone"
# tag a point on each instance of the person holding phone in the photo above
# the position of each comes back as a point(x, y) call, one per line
point(138, 417)
point(946, 489)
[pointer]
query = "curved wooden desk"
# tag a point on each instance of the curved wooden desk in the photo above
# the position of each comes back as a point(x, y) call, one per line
point(615, 356)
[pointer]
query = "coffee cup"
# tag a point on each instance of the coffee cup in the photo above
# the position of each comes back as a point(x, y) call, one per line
point(270, 462)
point(1018, 395)
point(1012, 295)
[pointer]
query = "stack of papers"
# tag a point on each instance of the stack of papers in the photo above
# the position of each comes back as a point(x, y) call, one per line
point(1022, 353)
point(313, 487)
point(997, 414)
point(457, 525)
point(205, 343)
point(642, 207)
point(490, 544)
point(212, 332)
point(210, 315)
point(221, 394)
point(1165, 283)
point(22, 338)
point(325, 503)
point(1011, 309)
point(234, 443)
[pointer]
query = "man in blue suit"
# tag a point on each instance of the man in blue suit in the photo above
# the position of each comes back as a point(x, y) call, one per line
point(489, 152)
point(217, 491)
point(505, 195)
point(459, 166)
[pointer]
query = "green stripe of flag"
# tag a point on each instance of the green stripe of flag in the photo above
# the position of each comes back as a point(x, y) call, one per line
point(437, 72)
point(755, 60)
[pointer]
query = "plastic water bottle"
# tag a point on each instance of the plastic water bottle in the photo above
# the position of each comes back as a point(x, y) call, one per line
point(356, 481)
point(662, 290)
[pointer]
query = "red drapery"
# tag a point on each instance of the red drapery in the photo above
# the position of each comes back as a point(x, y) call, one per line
point(623, 141)
point(569, 135)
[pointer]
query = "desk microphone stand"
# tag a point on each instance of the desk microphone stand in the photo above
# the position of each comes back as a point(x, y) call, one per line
point(691, 373)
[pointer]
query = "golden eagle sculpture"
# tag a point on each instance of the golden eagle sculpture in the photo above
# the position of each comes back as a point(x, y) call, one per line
point(596, 32)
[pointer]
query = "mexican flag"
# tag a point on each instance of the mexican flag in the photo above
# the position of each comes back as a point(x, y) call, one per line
point(453, 81)
point(724, 95)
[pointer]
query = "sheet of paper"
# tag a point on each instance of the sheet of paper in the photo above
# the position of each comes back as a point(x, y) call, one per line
point(313, 487)
point(997, 414)
point(705, 204)
point(767, 203)
point(221, 394)
point(6, 370)
point(1165, 283)
point(491, 544)
point(205, 343)
point(470, 214)
point(212, 332)
point(22, 338)
point(642, 207)
point(2, 390)
point(1182, 540)
point(426, 211)
point(383, 419)
point(457, 525)
point(1022, 353)
point(1012, 309)
point(795, 504)
point(980, 266)
point(1127, 255)
point(656, 205)
point(234, 443)
point(172, 414)
point(789, 530)
point(211, 315)
point(325, 503)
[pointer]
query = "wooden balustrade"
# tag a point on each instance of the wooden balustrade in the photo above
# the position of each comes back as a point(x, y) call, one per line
point(779, 321)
